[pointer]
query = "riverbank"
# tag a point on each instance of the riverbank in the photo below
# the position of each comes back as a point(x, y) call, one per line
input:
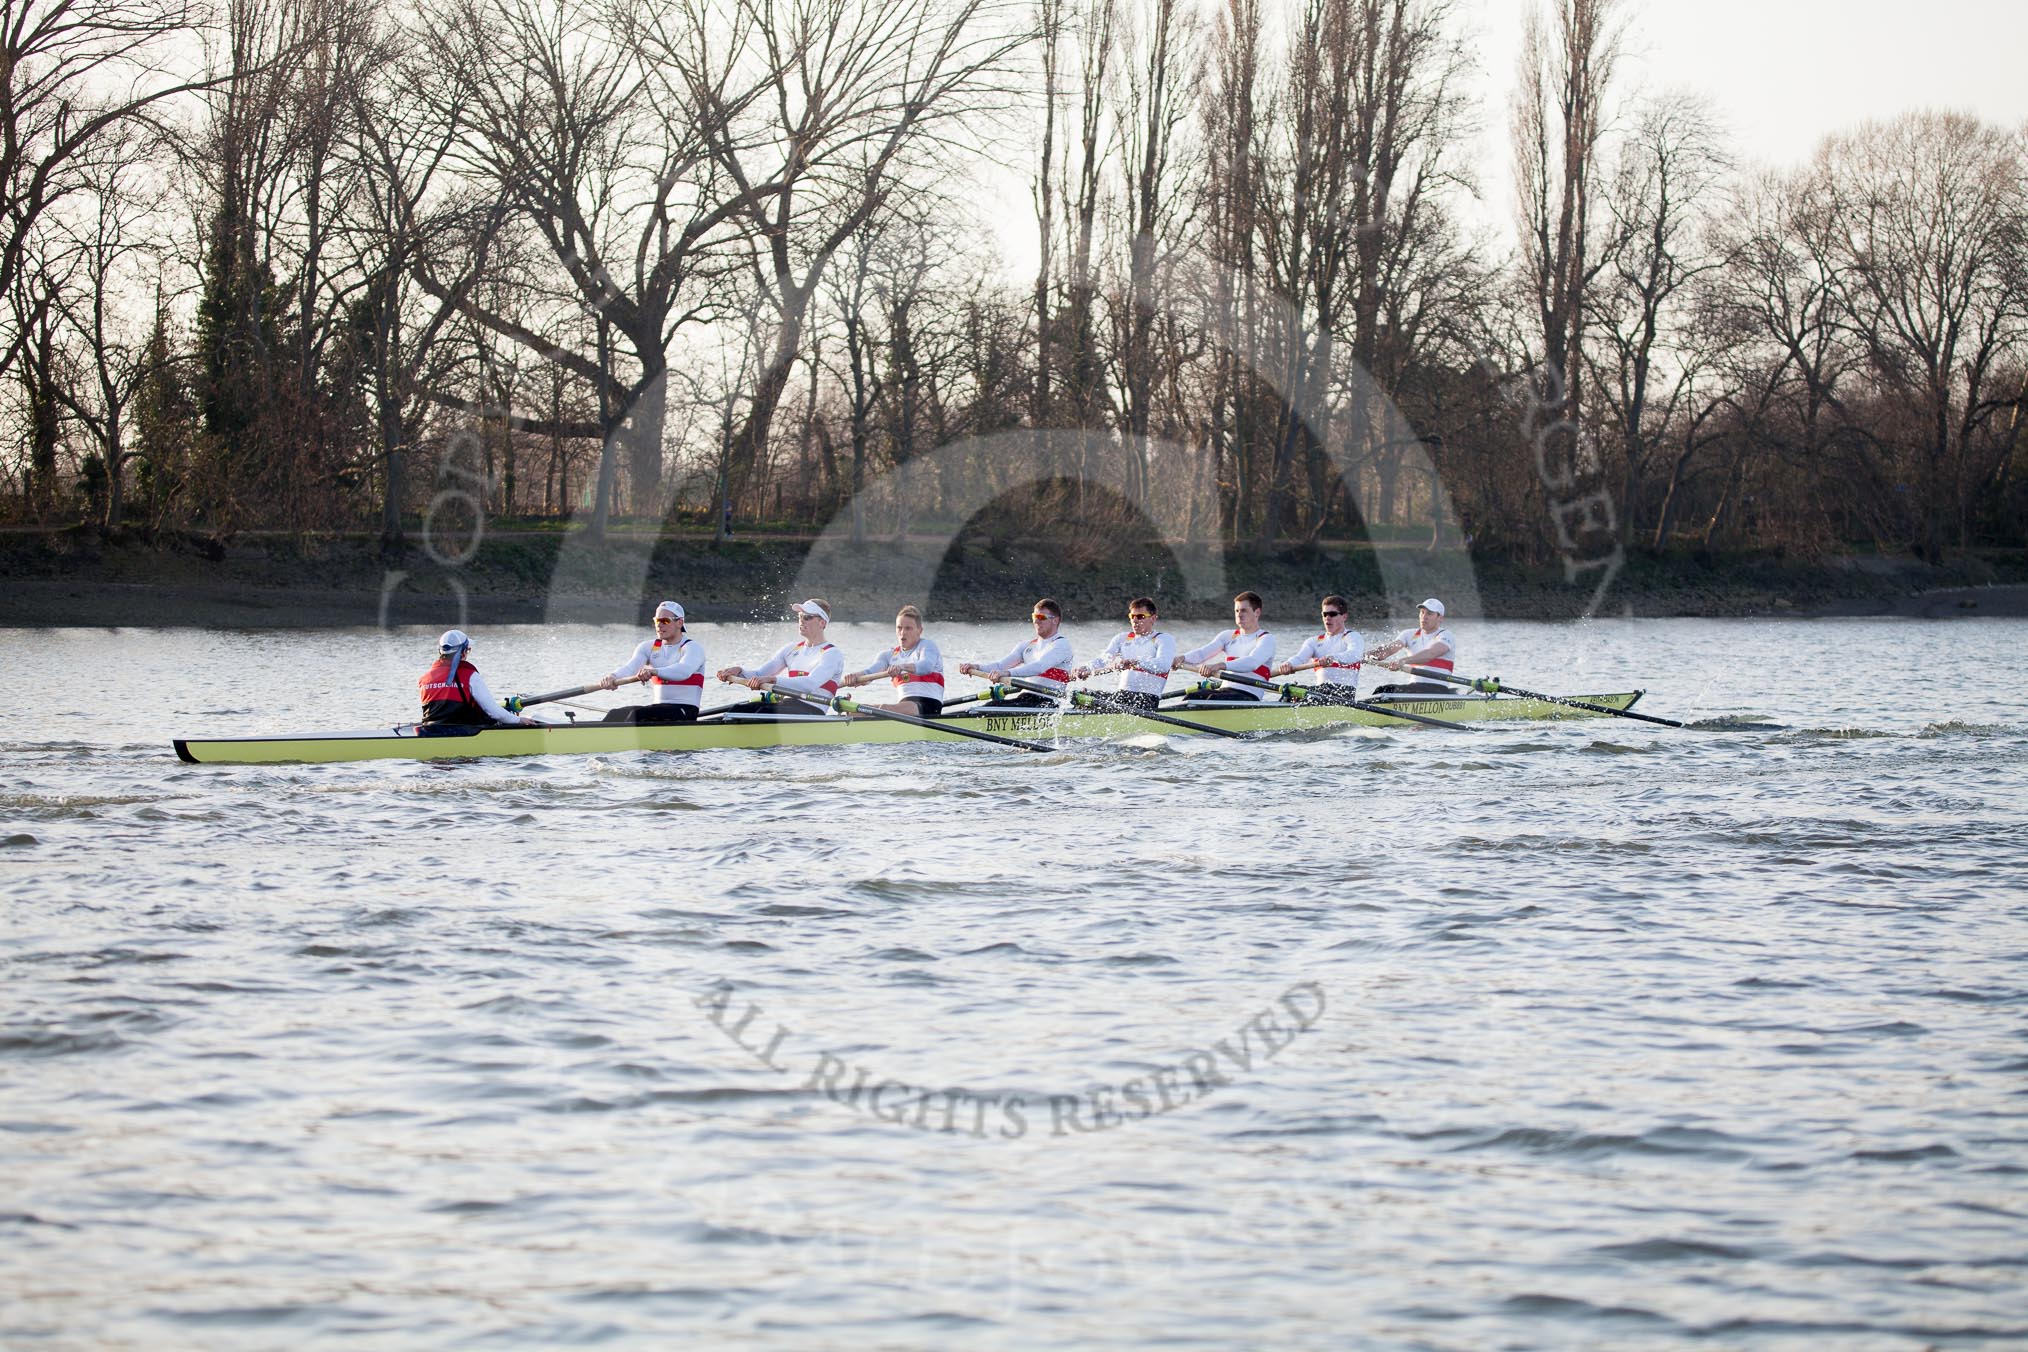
point(78, 578)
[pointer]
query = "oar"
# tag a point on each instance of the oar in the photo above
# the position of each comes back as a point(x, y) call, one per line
point(1490, 685)
point(1088, 700)
point(853, 706)
point(1369, 706)
point(516, 703)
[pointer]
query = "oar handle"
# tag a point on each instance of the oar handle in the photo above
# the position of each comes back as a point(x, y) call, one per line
point(1258, 683)
point(516, 703)
point(1485, 685)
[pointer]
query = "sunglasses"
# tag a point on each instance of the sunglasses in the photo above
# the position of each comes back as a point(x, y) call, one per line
point(1333, 614)
point(667, 619)
point(1139, 615)
point(1039, 616)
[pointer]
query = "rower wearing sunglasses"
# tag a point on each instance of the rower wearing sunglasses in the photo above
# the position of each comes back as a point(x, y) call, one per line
point(1044, 659)
point(803, 675)
point(1335, 654)
point(1246, 648)
point(1142, 655)
point(671, 663)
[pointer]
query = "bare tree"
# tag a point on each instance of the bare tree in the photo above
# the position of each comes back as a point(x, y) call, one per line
point(601, 128)
point(73, 74)
point(1407, 112)
point(1776, 313)
point(1560, 120)
point(860, 372)
point(405, 225)
point(109, 354)
point(272, 300)
point(862, 93)
point(1934, 232)
point(1368, 106)
point(1234, 182)
point(1166, 52)
point(1051, 21)
point(1647, 361)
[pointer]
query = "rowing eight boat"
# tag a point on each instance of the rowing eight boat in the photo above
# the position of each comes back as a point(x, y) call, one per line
point(404, 742)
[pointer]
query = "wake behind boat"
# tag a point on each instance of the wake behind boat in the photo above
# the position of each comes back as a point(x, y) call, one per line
point(409, 741)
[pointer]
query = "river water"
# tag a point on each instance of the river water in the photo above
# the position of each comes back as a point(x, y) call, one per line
point(1590, 1033)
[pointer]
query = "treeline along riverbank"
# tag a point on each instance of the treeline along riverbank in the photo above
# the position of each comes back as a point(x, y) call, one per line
point(338, 267)
point(80, 577)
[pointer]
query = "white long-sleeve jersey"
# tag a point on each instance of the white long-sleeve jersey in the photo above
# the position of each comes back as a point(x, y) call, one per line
point(1437, 650)
point(1337, 658)
point(1252, 654)
point(678, 670)
point(1143, 663)
point(928, 681)
point(800, 669)
point(1044, 660)
point(482, 695)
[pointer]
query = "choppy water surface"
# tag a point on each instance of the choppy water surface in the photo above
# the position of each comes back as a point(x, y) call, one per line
point(1591, 1033)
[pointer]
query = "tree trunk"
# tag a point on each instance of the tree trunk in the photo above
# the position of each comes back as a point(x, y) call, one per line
point(392, 437)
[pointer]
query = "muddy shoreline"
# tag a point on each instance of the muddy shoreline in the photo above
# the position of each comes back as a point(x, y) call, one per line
point(79, 579)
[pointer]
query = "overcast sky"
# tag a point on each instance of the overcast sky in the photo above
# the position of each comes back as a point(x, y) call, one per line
point(1783, 74)
point(1780, 74)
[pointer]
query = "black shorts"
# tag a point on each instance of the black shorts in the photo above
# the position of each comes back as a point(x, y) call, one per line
point(925, 707)
point(1415, 688)
point(785, 705)
point(1332, 694)
point(649, 715)
point(1128, 699)
point(1226, 692)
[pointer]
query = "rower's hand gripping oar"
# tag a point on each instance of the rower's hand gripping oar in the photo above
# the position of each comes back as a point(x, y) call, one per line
point(1369, 706)
point(516, 703)
point(1491, 685)
point(853, 706)
point(1086, 699)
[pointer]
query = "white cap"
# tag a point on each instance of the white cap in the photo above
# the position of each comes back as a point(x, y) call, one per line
point(669, 608)
point(812, 608)
point(454, 640)
point(1433, 606)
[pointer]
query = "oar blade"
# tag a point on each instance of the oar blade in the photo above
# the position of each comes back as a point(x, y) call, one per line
point(1495, 686)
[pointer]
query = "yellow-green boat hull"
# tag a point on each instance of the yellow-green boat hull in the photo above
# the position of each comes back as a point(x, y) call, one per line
point(403, 742)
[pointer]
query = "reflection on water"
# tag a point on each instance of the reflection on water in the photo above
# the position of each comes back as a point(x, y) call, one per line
point(1585, 1033)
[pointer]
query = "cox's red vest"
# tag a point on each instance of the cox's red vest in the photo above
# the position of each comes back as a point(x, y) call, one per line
point(448, 699)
